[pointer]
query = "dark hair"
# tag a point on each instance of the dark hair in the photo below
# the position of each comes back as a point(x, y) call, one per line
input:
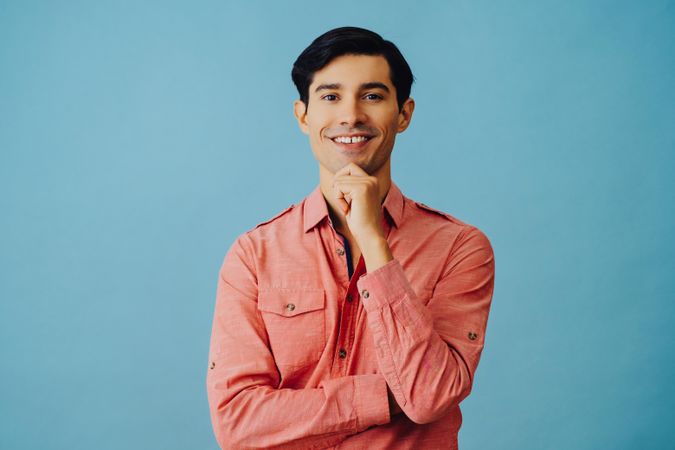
point(352, 41)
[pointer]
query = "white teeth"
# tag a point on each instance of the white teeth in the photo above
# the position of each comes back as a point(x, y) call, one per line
point(350, 140)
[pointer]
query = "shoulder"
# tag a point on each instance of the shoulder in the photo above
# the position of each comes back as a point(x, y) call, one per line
point(437, 214)
point(459, 231)
point(274, 218)
point(249, 241)
point(246, 248)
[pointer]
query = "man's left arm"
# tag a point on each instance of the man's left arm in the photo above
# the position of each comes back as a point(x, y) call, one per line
point(428, 354)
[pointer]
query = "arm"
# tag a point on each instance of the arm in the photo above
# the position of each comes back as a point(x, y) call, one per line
point(247, 410)
point(429, 354)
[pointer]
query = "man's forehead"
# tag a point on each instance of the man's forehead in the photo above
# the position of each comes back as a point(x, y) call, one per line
point(354, 72)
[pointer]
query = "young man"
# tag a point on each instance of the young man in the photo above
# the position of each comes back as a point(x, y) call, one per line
point(356, 317)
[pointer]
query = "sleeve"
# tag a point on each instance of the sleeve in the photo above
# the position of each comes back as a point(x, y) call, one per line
point(247, 409)
point(429, 353)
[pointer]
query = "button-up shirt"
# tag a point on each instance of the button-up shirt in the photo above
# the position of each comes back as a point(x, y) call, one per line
point(302, 353)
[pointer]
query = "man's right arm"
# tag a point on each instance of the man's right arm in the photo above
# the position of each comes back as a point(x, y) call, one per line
point(247, 409)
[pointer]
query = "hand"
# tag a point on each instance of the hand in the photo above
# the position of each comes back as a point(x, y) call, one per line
point(358, 195)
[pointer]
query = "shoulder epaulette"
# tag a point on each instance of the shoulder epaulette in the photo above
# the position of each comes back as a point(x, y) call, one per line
point(275, 217)
point(441, 213)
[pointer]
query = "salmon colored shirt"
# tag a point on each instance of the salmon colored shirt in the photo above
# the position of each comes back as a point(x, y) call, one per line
point(301, 355)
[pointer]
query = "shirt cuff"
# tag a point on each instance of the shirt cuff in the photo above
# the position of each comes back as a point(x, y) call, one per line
point(385, 285)
point(371, 401)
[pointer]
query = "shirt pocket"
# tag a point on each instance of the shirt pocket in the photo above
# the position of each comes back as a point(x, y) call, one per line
point(296, 324)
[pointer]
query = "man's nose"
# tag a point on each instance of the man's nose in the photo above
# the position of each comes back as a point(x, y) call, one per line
point(351, 113)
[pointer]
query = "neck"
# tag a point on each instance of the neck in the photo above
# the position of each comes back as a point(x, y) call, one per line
point(383, 175)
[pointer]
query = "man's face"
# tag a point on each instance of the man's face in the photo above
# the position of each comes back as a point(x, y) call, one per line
point(352, 113)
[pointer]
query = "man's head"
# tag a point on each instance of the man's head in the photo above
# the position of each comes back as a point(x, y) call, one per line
point(355, 41)
point(358, 87)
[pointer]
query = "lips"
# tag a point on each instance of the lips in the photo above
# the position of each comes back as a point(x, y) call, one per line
point(353, 143)
point(351, 139)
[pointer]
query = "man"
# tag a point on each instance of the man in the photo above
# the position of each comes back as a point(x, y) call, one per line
point(356, 317)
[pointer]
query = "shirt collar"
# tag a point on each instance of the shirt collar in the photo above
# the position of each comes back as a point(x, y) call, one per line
point(316, 209)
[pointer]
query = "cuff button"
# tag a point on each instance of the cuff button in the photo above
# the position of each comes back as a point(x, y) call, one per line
point(472, 335)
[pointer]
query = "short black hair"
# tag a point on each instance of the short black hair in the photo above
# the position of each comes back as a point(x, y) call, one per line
point(351, 41)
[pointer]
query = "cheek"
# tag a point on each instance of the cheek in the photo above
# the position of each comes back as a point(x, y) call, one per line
point(317, 143)
point(316, 137)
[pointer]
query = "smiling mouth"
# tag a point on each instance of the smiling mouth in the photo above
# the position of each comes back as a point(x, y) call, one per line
point(350, 139)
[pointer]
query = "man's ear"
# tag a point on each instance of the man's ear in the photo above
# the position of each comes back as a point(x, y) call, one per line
point(405, 115)
point(300, 111)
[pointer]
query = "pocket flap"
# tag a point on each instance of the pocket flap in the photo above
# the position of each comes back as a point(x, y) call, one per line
point(290, 302)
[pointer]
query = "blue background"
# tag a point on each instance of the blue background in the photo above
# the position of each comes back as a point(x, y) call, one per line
point(138, 139)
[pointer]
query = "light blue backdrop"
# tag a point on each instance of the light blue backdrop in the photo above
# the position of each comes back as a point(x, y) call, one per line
point(138, 139)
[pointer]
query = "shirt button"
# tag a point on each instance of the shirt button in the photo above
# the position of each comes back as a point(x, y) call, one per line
point(350, 298)
point(290, 307)
point(213, 364)
point(364, 294)
point(340, 251)
point(472, 335)
point(343, 353)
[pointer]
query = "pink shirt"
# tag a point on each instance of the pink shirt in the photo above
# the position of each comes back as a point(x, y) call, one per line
point(301, 355)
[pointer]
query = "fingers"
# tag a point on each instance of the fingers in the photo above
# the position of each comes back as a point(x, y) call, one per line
point(349, 182)
point(344, 199)
point(353, 184)
point(352, 169)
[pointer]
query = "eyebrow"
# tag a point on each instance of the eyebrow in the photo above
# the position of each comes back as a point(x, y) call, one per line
point(337, 86)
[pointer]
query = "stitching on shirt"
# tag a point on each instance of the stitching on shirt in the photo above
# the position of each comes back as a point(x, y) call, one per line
point(275, 217)
point(439, 212)
point(393, 363)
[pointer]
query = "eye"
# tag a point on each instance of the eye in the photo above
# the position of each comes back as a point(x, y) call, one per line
point(373, 96)
point(329, 97)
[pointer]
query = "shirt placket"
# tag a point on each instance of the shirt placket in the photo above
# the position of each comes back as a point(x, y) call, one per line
point(350, 304)
point(344, 343)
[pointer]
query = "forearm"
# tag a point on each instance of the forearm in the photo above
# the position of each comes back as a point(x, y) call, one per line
point(427, 374)
point(263, 417)
point(424, 377)
point(376, 253)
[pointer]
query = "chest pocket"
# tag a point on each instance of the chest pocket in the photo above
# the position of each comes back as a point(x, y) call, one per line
point(296, 324)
